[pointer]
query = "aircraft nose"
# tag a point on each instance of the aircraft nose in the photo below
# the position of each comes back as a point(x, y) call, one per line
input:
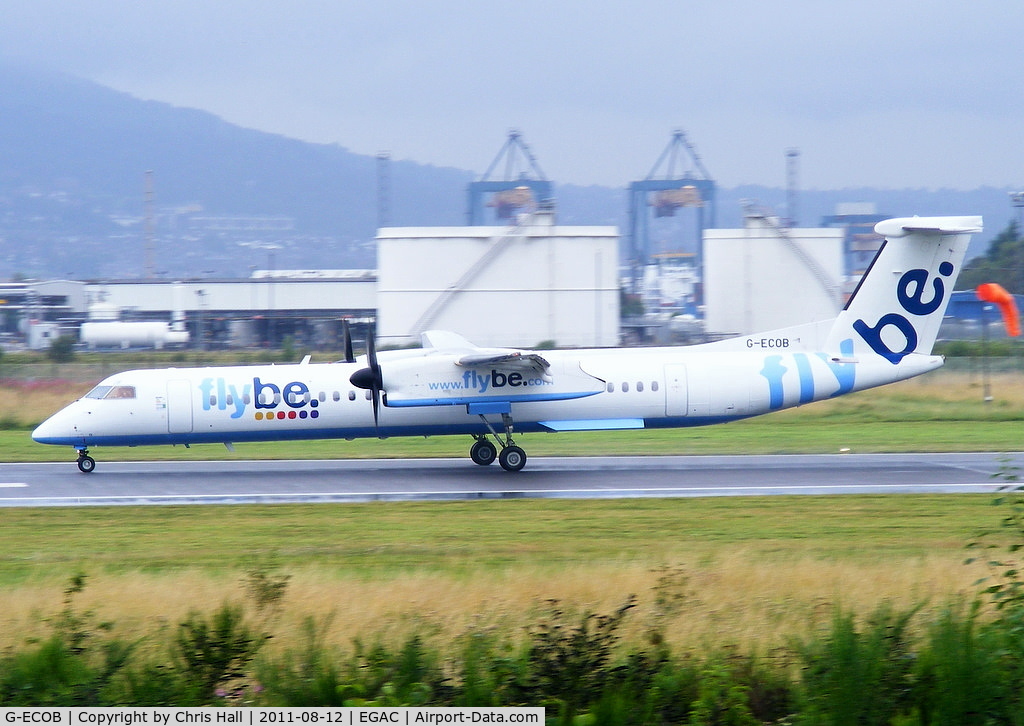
point(43, 431)
point(54, 430)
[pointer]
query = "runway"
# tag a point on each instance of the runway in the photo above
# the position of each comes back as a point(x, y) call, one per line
point(236, 482)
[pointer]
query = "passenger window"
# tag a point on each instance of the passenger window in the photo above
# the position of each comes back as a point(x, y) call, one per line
point(229, 400)
point(266, 398)
point(351, 395)
point(336, 397)
point(625, 387)
point(611, 388)
point(654, 385)
point(640, 386)
point(213, 401)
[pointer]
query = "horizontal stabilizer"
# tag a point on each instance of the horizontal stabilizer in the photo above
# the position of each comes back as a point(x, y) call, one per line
point(901, 227)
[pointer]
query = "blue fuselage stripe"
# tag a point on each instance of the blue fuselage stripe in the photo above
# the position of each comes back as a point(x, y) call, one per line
point(255, 435)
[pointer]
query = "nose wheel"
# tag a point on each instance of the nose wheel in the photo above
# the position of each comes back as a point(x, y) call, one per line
point(85, 462)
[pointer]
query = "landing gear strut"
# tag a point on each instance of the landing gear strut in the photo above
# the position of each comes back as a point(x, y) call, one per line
point(85, 462)
point(483, 452)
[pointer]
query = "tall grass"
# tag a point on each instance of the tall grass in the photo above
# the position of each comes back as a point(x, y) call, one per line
point(894, 665)
point(737, 599)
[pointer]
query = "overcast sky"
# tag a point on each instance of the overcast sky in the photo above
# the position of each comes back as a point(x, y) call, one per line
point(884, 93)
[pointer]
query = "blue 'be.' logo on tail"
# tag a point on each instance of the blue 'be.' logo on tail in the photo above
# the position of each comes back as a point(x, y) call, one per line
point(910, 292)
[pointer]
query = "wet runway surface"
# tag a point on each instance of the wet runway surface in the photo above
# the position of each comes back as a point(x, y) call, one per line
point(171, 482)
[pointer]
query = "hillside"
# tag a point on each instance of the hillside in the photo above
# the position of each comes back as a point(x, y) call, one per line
point(73, 157)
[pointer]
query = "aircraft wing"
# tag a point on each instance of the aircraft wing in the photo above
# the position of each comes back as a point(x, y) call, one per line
point(510, 360)
point(468, 355)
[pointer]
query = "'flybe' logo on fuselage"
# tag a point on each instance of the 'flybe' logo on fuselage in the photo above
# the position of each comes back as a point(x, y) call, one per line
point(910, 292)
point(264, 397)
point(483, 382)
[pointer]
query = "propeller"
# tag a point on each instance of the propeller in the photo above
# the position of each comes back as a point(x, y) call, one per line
point(370, 378)
point(347, 333)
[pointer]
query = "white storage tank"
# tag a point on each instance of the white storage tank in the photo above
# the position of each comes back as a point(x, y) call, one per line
point(131, 335)
point(764, 276)
point(511, 286)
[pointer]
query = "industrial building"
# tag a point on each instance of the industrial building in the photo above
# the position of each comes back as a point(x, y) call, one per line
point(254, 312)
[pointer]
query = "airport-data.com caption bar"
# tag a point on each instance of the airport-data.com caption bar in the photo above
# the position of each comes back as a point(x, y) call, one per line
point(354, 716)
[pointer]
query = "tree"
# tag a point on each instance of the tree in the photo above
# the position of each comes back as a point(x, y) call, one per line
point(62, 349)
point(1003, 263)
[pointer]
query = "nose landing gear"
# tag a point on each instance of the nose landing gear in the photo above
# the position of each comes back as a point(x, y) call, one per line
point(85, 462)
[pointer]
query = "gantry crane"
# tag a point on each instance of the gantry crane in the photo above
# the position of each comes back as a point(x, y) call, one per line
point(662, 192)
point(523, 188)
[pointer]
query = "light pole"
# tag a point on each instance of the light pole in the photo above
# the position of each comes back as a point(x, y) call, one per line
point(201, 323)
point(1017, 201)
point(986, 384)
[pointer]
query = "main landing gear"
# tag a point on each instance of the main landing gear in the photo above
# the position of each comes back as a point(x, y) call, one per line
point(483, 452)
point(85, 462)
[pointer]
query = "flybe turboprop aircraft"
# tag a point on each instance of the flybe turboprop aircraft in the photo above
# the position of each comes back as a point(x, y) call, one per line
point(449, 386)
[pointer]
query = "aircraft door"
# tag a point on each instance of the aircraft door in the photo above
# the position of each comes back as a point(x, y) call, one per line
point(676, 403)
point(179, 407)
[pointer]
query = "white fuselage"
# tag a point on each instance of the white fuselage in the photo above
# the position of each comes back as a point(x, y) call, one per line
point(586, 390)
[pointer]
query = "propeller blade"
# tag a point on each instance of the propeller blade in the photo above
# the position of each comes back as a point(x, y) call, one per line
point(376, 407)
point(371, 348)
point(347, 334)
point(370, 378)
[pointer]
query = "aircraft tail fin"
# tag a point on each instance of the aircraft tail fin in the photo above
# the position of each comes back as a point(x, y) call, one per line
point(900, 301)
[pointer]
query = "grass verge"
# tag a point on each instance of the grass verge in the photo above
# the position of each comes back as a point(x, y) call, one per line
point(750, 571)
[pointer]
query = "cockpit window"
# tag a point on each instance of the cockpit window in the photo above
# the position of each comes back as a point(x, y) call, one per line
point(121, 392)
point(108, 392)
point(98, 392)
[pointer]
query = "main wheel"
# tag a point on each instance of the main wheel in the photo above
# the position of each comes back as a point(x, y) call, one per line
point(86, 464)
point(483, 453)
point(512, 458)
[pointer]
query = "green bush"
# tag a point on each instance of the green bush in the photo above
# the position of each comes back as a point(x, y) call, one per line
point(212, 653)
point(62, 349)
point(958, 679)
point(859, 675)
point(309, 675)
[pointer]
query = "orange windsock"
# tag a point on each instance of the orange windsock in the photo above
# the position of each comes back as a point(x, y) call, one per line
point(995, 293)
